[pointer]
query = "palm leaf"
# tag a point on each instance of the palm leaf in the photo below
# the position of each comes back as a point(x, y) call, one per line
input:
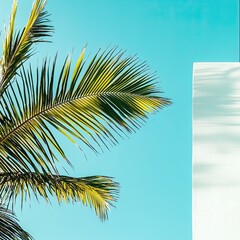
point(9, 227)
point(95, 104)
point(17, 46)
point(97, 192)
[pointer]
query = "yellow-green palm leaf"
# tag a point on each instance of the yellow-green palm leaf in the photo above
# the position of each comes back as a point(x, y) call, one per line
point(92, 103)
point(98, 192)
point(95, 103)
point(17, 45)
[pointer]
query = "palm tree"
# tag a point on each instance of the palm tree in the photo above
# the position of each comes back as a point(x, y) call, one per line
point(93, 103)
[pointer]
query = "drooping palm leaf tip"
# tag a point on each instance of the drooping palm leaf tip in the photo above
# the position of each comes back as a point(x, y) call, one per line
point(9, 227)
point(93, 103)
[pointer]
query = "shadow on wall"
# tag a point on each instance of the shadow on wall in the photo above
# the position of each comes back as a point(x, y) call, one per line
point(216, 125)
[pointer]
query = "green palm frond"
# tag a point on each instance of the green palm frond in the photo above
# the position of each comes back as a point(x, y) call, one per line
point(9, 227)
point(95, 104)
point(17, 46)
point(98, 192)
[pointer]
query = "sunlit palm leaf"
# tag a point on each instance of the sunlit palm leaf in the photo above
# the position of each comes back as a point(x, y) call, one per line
point(9, 227)
point(97, 104)
point(97, 192)
point(17, 46)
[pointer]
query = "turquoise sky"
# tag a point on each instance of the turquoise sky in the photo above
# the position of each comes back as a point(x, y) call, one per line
point(153, 166)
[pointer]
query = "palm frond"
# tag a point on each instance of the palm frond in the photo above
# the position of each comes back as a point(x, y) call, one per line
point(9, 227)
point(95, 105)
point(17, 46)
point(98, 192)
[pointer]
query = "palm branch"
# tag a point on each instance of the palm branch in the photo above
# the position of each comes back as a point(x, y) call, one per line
point(98, 192)
point(95, 103)
point(9, 227)
point(18, 45)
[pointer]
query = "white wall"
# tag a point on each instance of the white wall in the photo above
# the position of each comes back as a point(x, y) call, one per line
point(216, 151)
